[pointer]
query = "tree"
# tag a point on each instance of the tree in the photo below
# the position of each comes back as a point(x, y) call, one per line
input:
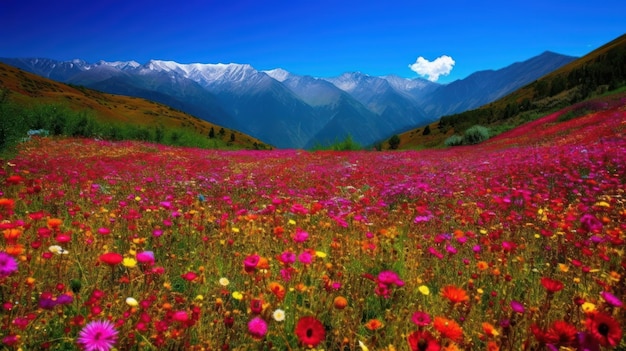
point(221, 132)
point(426, 130)
point(232, 137)
point(212, 133)
point(394, 142)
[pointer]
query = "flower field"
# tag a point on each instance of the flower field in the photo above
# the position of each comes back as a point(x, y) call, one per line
point(514, 244)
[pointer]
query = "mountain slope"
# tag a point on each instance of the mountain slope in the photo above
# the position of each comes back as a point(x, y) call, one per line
point(31, 89)
point(486, 86)
point(599, 71)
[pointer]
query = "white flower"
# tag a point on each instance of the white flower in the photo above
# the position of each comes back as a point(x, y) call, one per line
point(130, 301)
point(278, 315)
point(224, 281)
point(58, 250)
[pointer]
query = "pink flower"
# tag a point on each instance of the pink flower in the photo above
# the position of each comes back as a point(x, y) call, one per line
point(300, 236)
point(420, 319)
point(98, 336)
point(305, 257)
point(250, 262)
point(146, 257)
point(257, 328)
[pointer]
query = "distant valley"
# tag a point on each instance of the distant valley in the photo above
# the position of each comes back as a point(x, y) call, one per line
point(293, 111)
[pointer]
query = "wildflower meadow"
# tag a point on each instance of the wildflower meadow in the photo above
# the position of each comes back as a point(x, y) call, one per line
point(513, 244)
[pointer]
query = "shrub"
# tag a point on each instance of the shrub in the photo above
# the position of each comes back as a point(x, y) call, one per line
point(475, 135)
point(454, 140)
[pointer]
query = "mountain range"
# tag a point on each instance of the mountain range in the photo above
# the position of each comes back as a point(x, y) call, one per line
point(293, 111)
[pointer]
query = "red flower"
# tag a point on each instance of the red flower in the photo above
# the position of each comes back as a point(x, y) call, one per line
point(423, 341)
point(561, 333)
point(111, 258)
point(604, 329)
point(310, 331)
point(551, 285)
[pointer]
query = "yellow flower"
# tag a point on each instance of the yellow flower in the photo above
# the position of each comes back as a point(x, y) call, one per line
point(130, 301)
point(199, 297)
point(224, 281)
point(292, 222)
point(235, 229)
point(129, 262)
point(320, 254)
point(362, 346)
point(237, 295)
point(588, 307)
point(602, 204)
point(424, 290)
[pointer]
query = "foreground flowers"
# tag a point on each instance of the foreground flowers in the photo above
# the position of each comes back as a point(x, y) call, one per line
point(522, 246)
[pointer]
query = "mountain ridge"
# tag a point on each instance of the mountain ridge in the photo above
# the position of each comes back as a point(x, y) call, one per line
point(288, 110)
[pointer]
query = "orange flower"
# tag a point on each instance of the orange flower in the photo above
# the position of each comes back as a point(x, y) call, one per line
point(277, 289)
point(454, 294)
point(15, 250)
point(54, 223)
point(492, 346)
point(263, 263)
point(482, 265)
point(373, 324)
point(448, 328)
point(9, 204)
point(12, 234)
point(489, 329)
point(340, 302)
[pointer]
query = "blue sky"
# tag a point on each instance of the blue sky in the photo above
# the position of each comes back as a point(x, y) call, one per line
point(321, 38)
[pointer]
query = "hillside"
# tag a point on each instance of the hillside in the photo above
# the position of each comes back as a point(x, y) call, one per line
point(602, 70)
point(28, 89)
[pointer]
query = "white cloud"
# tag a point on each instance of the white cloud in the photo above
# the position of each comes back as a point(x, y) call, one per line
point(441, 66)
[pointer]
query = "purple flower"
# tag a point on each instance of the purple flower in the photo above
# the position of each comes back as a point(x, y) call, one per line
point(8, 265)
point(98, 336)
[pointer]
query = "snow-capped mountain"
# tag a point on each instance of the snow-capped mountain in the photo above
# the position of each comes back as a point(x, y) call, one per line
point(292, 111)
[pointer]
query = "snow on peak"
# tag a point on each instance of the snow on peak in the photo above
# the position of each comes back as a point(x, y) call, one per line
point(279, 74)
point(403, 84)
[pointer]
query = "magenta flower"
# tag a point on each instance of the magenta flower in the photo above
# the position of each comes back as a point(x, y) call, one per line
point(250, 262)
point(300, 236)
point(287, 257)
point(305, 257)
point(257, 327)
point(98, 336)
point(145, 257)
point(611, 299)
point(389, 278)
point(420, 319)
point(517, 306)
point(8, 265)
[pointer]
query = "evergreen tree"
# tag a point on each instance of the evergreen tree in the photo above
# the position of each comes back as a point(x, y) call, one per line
point(394, 142)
